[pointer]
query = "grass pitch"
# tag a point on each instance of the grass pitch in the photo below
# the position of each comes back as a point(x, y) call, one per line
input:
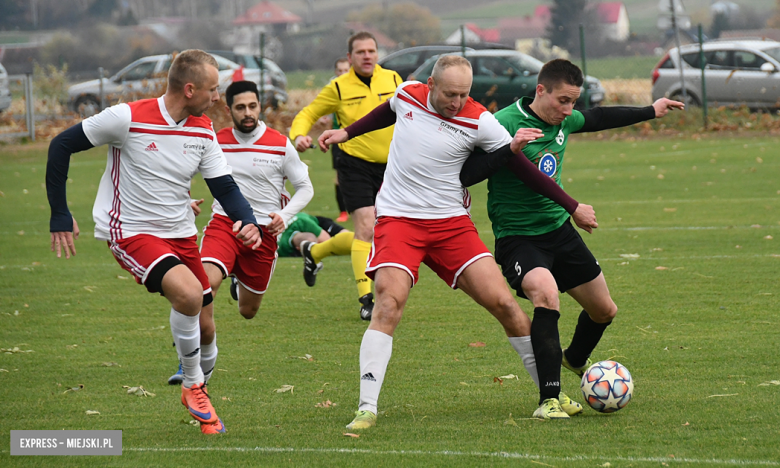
point(686, 243)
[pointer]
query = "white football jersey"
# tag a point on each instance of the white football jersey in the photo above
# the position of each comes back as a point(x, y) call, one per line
point(151, 162)
point(422, 179)
point(261, 162)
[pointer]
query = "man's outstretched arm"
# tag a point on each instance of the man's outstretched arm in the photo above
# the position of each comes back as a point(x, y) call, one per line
point(604, 118)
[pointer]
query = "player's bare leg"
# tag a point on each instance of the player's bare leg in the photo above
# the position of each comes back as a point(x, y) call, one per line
point(361, 245)
point(392, 292)
point(599, 310)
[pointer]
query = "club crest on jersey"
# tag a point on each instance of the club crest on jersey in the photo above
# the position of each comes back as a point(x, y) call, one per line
point(559, 139)
point(548, 164)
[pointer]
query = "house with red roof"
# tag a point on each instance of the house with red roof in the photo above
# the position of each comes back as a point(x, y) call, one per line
point(264, 17)
point(612, 17)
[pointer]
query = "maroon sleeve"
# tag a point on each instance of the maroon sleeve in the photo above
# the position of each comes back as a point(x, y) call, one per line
point(381, 117)
point(537, 181)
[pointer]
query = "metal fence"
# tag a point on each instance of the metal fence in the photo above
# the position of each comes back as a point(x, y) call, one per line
point(26, 81)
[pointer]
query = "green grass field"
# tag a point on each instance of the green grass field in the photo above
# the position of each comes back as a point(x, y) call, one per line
point(685, 241)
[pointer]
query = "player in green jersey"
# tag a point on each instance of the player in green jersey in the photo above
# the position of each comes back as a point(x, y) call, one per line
point(538, 249)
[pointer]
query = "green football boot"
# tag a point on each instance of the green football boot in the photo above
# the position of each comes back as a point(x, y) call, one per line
point(577, 370)
point(568, 405)
point(363, 420)
point(550, 409)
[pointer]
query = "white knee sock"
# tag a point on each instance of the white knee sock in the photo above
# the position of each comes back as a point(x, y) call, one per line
point(208, 358)
point(186, 335)
point(375, 351)
point(522, 345)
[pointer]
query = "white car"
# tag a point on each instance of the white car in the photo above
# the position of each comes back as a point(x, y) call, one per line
point(145, 77)
point(735, 72)
point(5, 93)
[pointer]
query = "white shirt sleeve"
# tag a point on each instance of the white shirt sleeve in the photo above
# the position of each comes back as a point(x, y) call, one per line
point(213, 163)
point(109, 127)
point(491, 134)
point(393, 99)
point(298, 173)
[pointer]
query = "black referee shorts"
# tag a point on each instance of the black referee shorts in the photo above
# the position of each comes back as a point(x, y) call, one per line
point(359, 180)
point(330, 226)
point(562, 252)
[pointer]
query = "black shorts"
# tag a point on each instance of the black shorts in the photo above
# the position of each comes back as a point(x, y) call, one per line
point(336, 153)
point(359, 181)
point(562, 252)
point(330, 226)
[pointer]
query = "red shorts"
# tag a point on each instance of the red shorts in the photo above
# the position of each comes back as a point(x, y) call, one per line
point(139, 254)
point(253, 268)
point(447, 246)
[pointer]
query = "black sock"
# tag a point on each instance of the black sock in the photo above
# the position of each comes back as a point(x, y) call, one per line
point(586, 336)
point(547, 350)
point(340, 199)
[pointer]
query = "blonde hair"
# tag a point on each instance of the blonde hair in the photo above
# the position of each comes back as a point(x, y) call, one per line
point(446, 61)
point(189, 67)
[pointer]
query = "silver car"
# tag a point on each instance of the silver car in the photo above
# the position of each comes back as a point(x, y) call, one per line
point(5, 92)
point(736, 72)
point(146, 76)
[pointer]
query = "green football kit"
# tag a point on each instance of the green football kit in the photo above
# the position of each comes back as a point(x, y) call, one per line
point(513, 208)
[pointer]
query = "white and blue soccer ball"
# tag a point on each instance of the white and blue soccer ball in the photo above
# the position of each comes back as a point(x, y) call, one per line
point(607, 386)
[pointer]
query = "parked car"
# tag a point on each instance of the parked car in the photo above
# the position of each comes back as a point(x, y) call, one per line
point(147, 75)
point(252, 62)
point(501, 77)
point(406, 61)
point(735, 71)
point(5, 92)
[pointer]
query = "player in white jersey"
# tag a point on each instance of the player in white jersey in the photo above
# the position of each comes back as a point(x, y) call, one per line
point(421, 217)
point(261, 159)
point(142, 210)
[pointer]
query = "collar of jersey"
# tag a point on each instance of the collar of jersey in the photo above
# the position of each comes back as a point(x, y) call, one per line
point(250, 138)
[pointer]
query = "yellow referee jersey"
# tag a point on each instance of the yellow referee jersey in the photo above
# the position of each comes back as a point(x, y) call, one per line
point(350, 99)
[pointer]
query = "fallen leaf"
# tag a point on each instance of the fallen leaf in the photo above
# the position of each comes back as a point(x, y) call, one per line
point(464, 383)
point(325, 404)
point(510, 421)
point(109, 364)
point(630, 256)
point(499, 380)
point(768, 237)
point(725, 395)
point(660, 176)
point(139, 391)
point(91, 412)
point(305, 357)
point(3, 370)
point(687, 423)
point(771, 382)
point(15, 350)
point(477, 344)
point(71, 346)
point(661, 268)
point(510, 376)
point(74, 389)
point(349, 434)
point(90, 288)
point(285, 388)
point(122, 277)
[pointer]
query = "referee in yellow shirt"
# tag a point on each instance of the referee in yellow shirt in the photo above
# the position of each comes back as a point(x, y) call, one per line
point(361, 161)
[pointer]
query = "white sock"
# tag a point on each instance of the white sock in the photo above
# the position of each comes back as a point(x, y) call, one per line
point(208, 358)
point(522, 345)
point(375, 351)
point(186, 335)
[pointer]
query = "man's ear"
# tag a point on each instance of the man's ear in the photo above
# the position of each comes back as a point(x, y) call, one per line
point(189, 90)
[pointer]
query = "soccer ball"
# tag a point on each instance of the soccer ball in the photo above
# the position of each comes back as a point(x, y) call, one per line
point(607, 386)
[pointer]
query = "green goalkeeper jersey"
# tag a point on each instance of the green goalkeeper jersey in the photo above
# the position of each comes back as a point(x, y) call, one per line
point(513, 208)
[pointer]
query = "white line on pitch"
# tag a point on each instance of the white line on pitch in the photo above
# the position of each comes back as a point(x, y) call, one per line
point(453, 453)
